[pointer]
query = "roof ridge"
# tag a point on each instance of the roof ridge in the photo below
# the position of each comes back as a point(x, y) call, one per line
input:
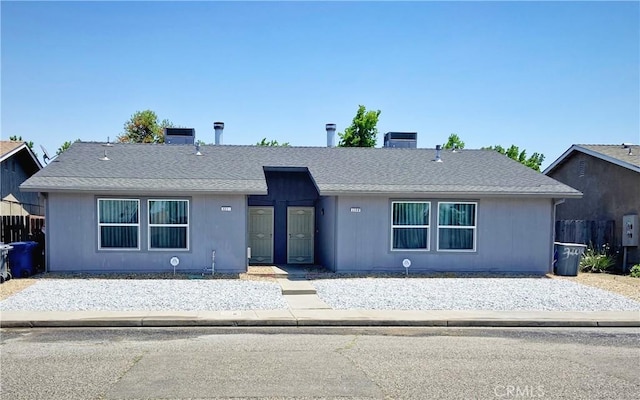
point(615, 145)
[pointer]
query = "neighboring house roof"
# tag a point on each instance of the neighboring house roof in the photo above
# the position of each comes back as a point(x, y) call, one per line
point(9, 205)
point(9, 147)
point(625, 155)
point(155, 168)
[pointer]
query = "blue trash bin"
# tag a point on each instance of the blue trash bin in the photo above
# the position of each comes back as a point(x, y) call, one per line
point(21, 259)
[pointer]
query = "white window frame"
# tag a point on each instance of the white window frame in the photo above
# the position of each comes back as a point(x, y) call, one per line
point(150, 225)
point(101, 224)
point(428, 226)
point(474, 227)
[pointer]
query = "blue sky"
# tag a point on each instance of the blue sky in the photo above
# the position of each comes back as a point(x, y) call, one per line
point(541, 75)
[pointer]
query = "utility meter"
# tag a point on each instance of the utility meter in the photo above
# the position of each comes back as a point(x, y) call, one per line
point(630, 230)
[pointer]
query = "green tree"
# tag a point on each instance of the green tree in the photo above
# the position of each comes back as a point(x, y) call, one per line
point(65, 146)
point(19, 139)
point(454, 142)
point(272, 143)
point(143, 127)
point(363, 131)
point(513, 152)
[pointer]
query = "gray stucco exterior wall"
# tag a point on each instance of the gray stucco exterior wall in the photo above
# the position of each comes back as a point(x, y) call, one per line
point(74, 245)
point(513, 235)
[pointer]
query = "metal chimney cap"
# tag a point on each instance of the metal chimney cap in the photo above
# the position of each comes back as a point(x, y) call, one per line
point(219, 125)
point(330, 127)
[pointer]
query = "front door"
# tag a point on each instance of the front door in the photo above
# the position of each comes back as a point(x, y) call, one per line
point(300, 228)
point(261, 235)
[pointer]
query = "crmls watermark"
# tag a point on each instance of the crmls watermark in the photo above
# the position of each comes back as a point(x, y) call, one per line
point(518, 392)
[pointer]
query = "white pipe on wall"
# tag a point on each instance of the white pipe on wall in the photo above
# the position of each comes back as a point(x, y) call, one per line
point(553, 232)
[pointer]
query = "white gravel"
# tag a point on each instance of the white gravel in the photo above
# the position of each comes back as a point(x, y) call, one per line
point(146, 295)
point(511, 294)
point(508, 294)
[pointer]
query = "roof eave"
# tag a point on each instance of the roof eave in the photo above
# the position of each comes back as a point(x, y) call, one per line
point(545, 195)
point(135, 191)
point(592, 153)
point(23, 146)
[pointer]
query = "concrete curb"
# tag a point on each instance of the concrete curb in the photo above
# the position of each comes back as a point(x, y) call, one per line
point(151, 323)
point(319, 318)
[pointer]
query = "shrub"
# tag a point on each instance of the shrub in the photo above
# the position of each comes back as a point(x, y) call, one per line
point(595, 260)
point(635, 271)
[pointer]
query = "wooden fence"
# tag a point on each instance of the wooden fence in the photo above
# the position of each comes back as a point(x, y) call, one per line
point(16, 228)
point(594, 233)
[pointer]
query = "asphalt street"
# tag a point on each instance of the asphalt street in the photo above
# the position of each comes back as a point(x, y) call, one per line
point(312, 363)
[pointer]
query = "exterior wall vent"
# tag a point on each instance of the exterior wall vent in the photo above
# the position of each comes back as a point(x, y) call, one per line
point(179, 135)
point(401, 139)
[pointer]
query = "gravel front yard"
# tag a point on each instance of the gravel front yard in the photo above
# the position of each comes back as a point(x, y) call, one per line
point(562, 294)
point(508, 294)
point(145, 295)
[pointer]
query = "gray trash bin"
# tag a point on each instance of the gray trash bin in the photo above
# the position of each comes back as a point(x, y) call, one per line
point(567, 258)
point(5, 275)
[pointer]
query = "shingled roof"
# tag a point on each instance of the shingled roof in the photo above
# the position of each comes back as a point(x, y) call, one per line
point(10, 148)
point(624, 155)
point(154, 168)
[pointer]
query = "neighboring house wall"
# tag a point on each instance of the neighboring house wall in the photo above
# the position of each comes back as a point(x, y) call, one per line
point(74, 246)
point(513, 235)
point(12, 174)
point(609, 192)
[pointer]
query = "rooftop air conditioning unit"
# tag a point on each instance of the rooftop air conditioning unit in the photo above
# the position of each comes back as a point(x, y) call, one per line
point(401, 139)
point(179, 135)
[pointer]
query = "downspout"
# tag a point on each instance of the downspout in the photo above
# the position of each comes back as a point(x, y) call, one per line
point(553, 232)
point(47, 237)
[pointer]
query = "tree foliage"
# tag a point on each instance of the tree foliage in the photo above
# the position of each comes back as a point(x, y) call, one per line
point(19, 139)
point(363, 131)
point(454, 142)
point(272, 143)
point(144, 127)
point(65, 146)
point(513, 152)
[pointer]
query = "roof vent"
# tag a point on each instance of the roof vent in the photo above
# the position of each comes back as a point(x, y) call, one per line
point(438, 148)
point(626, 145)
point(104, 158)
point(401, 139)
point(331, 134)
point(630, 152)
point(179, 135)
point(198, 153)
point(108, 144)
point(218, 128)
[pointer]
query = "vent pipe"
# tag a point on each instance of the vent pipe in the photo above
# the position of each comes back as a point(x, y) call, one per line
point(218, 127)
point(438, 159)
point(331, 135)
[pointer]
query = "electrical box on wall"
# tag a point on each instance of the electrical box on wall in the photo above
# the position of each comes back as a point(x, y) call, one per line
point(630, 230)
